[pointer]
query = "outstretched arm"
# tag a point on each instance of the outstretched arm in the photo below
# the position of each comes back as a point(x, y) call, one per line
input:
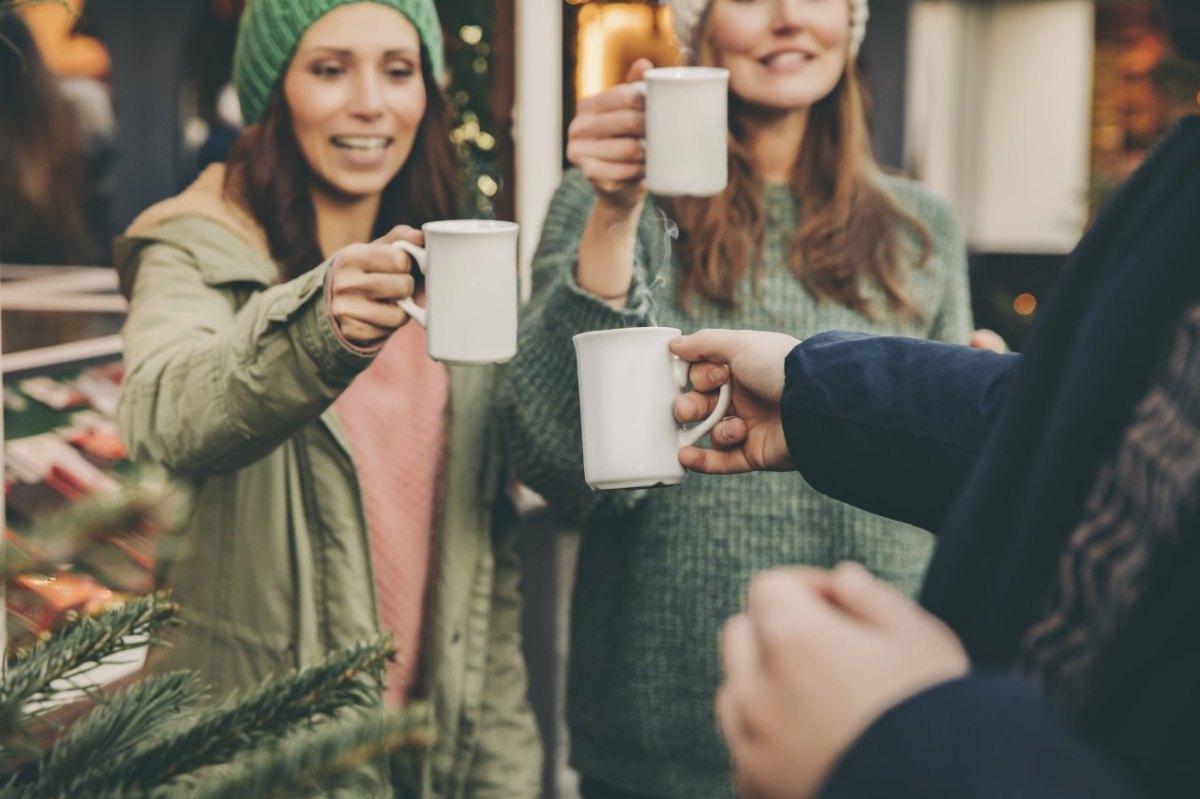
point(891, 425)
point(888, 424)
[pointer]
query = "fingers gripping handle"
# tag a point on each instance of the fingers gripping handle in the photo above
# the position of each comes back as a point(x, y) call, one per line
point(409, 306)
point(689, 436)
point(640, 87)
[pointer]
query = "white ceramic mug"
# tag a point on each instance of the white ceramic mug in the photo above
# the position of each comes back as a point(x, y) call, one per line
point(628, 382)
point(470, 268)
point(686, 123)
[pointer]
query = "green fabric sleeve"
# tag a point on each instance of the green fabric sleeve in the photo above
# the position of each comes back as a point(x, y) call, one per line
point(209, 387)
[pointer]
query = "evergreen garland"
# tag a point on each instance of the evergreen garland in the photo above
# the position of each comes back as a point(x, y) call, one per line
point(321, 755)
point(154, 739)
point(45, 669)
point(469, 61)
point(159, 739)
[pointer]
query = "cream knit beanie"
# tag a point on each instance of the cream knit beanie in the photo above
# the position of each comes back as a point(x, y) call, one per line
point(688, 13)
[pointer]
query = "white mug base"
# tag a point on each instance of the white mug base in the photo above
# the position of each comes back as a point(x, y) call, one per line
point(472, 361)
point(640, 482)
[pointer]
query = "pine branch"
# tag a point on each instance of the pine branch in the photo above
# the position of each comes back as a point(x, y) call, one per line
point(334, 749)
point(62, 536)
point(76, 649)
point(116, 729)
point(274, 709)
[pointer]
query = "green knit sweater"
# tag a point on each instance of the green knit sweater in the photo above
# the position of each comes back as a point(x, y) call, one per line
point(660, 570)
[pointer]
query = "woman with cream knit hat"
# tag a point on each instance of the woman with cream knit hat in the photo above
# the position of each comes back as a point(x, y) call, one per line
point(336, 493)
point(809, 235)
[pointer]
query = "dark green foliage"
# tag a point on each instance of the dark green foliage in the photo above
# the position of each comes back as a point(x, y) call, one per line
point(159, 738)
point(278, 706)
point(289, 734)
point(31, 672)
point(321, 755)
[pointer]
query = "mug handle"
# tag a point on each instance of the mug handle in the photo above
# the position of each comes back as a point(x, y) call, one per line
point(410, 307)
point(640, 87)
point(690, 435)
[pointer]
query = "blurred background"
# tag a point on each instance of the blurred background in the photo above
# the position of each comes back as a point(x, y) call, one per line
point(1025, 114)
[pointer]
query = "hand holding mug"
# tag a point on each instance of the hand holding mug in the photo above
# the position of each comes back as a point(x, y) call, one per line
point(366, 283)
point(752, 438)
point(605, 141)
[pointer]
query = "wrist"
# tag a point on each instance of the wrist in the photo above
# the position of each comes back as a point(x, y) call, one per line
point(613, 211)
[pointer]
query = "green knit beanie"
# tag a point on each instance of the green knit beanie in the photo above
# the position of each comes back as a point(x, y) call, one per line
point(270, 30)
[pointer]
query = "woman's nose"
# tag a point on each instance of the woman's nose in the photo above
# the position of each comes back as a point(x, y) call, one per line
point(367, 98)
point(788, 15)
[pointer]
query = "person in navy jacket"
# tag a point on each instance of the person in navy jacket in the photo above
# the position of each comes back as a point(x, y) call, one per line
point(1056, 648)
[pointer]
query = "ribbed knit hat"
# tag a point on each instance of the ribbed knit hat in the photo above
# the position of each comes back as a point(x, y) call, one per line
point(270, 30)
point(688, 13)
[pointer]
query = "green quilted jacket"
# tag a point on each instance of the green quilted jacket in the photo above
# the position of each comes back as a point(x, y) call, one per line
point(230, 377)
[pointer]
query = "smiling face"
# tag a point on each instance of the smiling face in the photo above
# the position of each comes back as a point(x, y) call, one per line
point(784, 55)
point(356, 97)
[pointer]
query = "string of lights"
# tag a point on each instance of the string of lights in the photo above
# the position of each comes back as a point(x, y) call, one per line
point(469, 62)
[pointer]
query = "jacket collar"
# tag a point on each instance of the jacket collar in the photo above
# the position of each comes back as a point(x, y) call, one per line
point(235, 251)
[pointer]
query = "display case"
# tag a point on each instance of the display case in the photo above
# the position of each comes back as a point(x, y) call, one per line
point(61, 376)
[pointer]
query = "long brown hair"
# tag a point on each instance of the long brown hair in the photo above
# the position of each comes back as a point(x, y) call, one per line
point(269, 176)
point(850, 228)
point(43, 176)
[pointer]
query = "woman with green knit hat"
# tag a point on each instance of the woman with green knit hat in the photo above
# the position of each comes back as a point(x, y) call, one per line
point(344, 482)
point(809, 235)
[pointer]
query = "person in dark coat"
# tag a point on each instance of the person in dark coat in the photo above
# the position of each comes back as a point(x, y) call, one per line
point(1056, 650)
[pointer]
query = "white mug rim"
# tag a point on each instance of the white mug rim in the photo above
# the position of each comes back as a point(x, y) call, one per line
point(469, 226)
point(624, 331)
point(686, 73)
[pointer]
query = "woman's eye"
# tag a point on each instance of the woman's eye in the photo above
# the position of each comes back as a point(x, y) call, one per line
point(327, 69)
point(399, 71)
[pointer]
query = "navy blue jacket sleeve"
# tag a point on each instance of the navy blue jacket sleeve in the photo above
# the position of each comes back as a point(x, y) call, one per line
point(891, 425)
point(986, 736)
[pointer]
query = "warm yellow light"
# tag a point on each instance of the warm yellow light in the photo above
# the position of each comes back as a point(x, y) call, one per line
point(470, 34)
point(611, 35)
point(487, 185)
point(1025, 304)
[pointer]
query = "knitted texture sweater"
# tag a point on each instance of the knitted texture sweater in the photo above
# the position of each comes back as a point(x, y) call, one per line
point(660, 570)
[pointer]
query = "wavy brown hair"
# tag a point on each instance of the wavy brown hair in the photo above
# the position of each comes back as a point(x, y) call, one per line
point(43, 174)
point(269, 176)
point(850, 230)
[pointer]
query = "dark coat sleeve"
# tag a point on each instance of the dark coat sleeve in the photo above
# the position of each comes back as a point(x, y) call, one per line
point(986, 736)
point(888, 424)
